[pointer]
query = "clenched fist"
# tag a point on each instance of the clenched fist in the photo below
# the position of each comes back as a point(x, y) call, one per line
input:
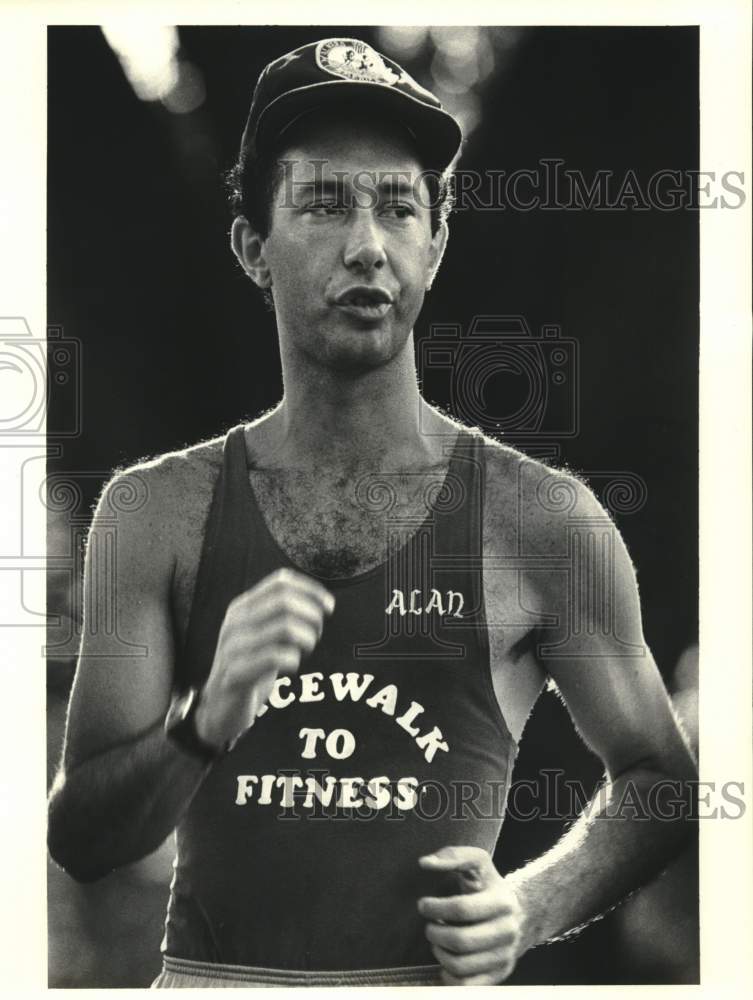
point(265, 633)
point(475, 935)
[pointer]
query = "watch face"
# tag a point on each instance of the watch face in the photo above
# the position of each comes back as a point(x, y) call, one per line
point(181, 729)
point(179, 709)
point(187, 703)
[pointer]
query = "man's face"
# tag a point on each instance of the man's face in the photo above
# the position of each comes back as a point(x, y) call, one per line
point(350, 252)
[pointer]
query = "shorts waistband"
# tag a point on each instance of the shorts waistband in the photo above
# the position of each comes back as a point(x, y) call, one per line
point(409, 975)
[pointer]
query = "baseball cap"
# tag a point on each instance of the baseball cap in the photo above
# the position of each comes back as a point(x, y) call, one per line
point(348, 70)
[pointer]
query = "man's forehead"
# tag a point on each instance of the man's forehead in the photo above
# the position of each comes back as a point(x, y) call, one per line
point(322, 145)
point(313, 171)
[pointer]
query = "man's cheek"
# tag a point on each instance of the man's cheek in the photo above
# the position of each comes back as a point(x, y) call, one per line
point(410, 302)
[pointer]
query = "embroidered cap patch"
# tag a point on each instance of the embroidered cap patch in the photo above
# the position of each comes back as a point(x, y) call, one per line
point(353, 60)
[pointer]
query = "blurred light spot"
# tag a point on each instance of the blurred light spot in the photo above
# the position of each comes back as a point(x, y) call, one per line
point(452, 75)
point(485, 58)
point(189, 92)
point(463, 61)
point(402, 41)
point(459, 43)
point(149, 57)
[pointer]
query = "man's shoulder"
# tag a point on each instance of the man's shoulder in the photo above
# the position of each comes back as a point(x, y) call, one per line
point(534, 499)
point(171, 476)
point(161, 500)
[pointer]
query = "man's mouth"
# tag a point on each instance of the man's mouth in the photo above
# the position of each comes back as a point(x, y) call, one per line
point(365, 302)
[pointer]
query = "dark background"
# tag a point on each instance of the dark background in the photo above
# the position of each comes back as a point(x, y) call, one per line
point(176, 345)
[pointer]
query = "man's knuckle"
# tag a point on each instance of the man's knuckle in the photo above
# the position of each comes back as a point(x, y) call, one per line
point(454, 940)
point(507, 924)
point(482, 941)
point(284, 616)
point(438, 953)
point(277, 584)
point(453, 963)
point(505, 938)
point(505, 968)
point(503, 953)
point(286, 627)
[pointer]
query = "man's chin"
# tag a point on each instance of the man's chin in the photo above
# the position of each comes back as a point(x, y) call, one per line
point(355, 365)
point(361, 350)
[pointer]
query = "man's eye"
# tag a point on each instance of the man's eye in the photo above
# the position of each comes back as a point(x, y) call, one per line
point(398, 210)
point(325, 207)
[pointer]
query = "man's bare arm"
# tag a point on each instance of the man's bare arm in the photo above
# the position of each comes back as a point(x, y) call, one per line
point(619, 704)
point(614, 692)
point(122, 786)
point(119, 806)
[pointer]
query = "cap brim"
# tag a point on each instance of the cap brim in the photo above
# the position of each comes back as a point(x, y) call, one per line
point(438, 135)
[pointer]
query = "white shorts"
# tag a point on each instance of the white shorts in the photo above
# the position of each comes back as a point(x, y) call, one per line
point(182, 973)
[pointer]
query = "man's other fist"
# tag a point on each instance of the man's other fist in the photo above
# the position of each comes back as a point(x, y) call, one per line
point(475, 935)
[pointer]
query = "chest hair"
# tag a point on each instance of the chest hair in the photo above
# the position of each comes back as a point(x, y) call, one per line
point(342, 525)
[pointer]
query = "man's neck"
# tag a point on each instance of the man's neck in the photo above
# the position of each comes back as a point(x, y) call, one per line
point(338, 421)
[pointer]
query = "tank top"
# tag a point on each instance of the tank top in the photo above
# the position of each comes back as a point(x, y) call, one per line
point(300, 848)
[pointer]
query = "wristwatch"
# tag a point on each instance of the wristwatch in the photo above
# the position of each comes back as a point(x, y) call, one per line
point(180, 727)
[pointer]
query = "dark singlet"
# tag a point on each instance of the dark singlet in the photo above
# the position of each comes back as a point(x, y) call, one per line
point(300, 849)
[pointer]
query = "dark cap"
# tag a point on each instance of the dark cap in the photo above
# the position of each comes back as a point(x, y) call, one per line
point(348, 70)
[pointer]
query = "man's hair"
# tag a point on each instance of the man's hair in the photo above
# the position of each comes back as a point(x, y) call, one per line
point(252, 182)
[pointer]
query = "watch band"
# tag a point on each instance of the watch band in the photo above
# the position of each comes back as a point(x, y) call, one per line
point(180, 727)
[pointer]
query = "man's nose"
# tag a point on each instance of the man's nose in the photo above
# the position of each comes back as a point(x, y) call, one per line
point(364, 247)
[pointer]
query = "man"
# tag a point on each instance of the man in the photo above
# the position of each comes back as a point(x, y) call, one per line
point(343, 612)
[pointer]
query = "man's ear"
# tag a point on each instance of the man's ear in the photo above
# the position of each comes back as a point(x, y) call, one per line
point(436, 252)
point(248, 247)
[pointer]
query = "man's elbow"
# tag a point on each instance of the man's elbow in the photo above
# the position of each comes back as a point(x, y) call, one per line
point(64, 837)
point(72, 859)
point(72, 864)
point(668, 792)
point(673, 763)
point(665, 783)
